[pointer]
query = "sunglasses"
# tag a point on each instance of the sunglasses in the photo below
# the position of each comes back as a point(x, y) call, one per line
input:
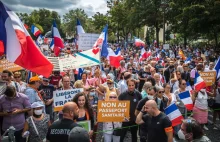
point(161, 91)
point(178, 74)
point(17, 77)
point(109, 83)
point(185, 66)
point(112, 97)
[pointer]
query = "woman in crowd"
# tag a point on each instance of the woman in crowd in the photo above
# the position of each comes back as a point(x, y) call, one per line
point(108, 89)
point(85, 109)
point(121, 69)
point(86, 83)
point(200, 109)
point(170, 96)
point(109, 126)
point(17, 77)
point(112, 70)
point(146, 86)
point(174, 81)
point(36, 126)
point(162, 101)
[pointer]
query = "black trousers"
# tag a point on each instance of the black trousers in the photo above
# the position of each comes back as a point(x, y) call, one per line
point(133, 129)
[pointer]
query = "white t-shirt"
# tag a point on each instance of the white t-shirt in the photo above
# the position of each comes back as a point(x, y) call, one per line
point(201, 100)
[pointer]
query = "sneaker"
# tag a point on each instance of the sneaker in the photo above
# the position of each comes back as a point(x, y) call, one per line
point(204, 127)
point(215, 128)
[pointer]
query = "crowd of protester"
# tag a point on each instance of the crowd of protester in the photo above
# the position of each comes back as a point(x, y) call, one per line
point(150, 85)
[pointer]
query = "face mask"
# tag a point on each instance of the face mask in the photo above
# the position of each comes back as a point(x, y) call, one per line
point(38, 112)
point(111, 88)
point(181, 135)
point(92, 93)
point(150, 97)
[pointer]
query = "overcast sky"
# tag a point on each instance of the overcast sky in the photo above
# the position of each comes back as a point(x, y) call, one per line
point(60, 6)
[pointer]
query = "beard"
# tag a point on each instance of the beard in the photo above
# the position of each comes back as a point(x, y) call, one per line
point(75, 116)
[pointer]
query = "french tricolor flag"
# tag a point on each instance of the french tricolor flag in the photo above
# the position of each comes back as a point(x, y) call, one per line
point(217, 68)
point(189, 87)
point(199, 83)
point(138, 42)
point(52, 44)
point(118, 51)
point(186, 99)
point(114, 59)
point(174, 114)
point(56, 35)
point(143, 54)
point(35, 30)
point(19, 47)
point(79, 27)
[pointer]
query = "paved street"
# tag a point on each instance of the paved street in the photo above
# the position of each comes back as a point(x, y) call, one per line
point(214, 135)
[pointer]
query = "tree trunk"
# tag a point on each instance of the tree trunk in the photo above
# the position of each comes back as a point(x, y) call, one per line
point(216, 39)
point(185, 41)
point(157, 35)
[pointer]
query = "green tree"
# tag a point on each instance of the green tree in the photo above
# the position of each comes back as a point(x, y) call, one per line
point(70, 18)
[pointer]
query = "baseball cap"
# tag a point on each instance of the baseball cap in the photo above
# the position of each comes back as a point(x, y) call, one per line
point(36, 105)
point(35, 78)
point(78, 134)
point(46, 79)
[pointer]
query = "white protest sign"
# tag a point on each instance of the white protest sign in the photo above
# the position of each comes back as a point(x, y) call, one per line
point(63, 96)
point(87, 40)
point(55, 62)
point(166, 46)
point(80, 60)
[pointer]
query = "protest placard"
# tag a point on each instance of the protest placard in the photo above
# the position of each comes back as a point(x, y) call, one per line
point(85, 124)
point(209, 77)
point(55, 62)
point(113, 111)
point(87, 40)
point(63, 96)
point(80, 60)
point(6, 65)
point(166, 46)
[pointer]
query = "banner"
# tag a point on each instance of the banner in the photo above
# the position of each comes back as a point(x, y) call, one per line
point(80, 60)
point(113, 111)
point(85, 124)
point(87, 40)
point(6, 65)
point(63, 96)
point(209, 77)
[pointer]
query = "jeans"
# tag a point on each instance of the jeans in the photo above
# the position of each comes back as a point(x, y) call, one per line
point(111, 138)
point(133, 129)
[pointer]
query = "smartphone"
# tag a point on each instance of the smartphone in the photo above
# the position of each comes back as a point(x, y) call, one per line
point(9, 111)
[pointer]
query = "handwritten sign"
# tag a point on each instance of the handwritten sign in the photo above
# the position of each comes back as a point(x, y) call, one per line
point(80, 60)
point(85, 124)
point(6, 65)
point(209, 77)
point(87, 40)
point(113, 111)
point(63, 96)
